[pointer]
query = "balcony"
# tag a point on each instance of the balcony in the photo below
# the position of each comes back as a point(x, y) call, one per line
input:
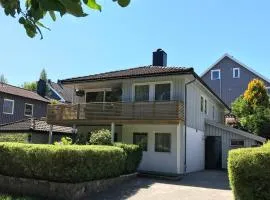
point(169, 112)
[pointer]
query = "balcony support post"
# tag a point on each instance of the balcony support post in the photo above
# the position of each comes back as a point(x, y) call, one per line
point(50, 134)
point(112, 131)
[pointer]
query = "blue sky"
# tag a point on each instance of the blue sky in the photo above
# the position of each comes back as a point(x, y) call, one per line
point(194, 33)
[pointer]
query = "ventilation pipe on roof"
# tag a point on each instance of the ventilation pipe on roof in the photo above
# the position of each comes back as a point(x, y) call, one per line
point(159, 58)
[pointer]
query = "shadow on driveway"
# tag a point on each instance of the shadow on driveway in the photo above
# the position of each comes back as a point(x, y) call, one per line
point(191, 186)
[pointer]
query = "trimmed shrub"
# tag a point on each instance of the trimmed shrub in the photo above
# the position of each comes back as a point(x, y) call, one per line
point(249, 173)
point(67, 163)
point(64, 141)
point(14, 137)
point(134, 156)
point(101, 137)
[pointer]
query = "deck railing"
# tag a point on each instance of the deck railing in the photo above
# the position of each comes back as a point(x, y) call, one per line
point(116, 111)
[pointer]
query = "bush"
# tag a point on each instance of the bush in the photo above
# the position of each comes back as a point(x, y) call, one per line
point(14, 137)
point(249, 173)
point(101, 137)
point(70, 163)
point(134, 156)
point(64, 141)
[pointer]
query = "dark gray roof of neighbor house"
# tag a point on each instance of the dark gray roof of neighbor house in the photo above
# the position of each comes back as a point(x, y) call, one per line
point(13, 90)
point(145, 71)
point(65, 92)
point(36, 125)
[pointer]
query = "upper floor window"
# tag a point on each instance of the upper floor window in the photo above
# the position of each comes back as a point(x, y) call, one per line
point(215, 74)
point(28, 110)
point(94, 96)
point(268, 90)
point(202, 103)
point(213, 114)
point(205, 106)
point(8, 106)
point(163, 92)
point(141, 92)
point(236, 72)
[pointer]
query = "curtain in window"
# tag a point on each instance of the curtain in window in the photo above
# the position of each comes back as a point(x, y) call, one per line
point(163, 92)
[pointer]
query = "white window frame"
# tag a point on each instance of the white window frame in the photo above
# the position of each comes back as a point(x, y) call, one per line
point(215, 70)
point(234, 69)
point(32, 105)
point(268, 88)
point(152, 89)
point(10, 100)
point(104, 90)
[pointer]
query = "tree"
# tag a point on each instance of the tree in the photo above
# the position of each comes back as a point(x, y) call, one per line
point(32, 86)
point(33, 11)
point(3, 79)
point(252, 109)
point(43, 75)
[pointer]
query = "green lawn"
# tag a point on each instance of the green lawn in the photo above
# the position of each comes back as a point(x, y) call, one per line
point(10, 197)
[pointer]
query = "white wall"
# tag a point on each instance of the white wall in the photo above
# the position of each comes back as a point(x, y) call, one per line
point(195, 150)
point(155, 161)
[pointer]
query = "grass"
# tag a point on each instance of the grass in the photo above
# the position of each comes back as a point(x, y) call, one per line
point(11, 197)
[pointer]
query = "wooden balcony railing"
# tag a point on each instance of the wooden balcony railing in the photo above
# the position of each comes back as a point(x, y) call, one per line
point(116, 112)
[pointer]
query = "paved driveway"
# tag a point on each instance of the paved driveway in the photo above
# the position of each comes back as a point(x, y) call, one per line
point(206, 185)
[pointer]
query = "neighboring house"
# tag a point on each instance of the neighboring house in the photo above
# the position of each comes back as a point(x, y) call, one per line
point(60, 92)
point(162, 108)
point(17, 104)
point(229, 78)
point(38, 130)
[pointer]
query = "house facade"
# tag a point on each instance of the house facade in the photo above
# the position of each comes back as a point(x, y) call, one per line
point(229, 78)
point(17, 104)
point(162, 108)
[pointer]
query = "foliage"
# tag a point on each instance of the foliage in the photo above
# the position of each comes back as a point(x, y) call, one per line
point(31, 12)
point(100, 137)
point(3, 79)
point(82, 138)
point(64, 141)
point(43, 75)
point(14, 137)
point(252, 109)
point(12, 197)
point(54, 102)
point(134, 156)
point(69, 163)
point(32, 86)
point(249, 173)
point(256, 94)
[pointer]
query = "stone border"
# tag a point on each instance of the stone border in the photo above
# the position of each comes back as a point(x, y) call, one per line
point(54, 190)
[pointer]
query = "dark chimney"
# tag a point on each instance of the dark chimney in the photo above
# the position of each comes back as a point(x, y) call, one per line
point(159, 58)
point(41, 88)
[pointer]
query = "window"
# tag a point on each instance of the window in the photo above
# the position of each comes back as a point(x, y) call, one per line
point(202, 102)
point(94, 96)
point(28, 110)
point(8, 106)
point(205, 106)
point(141, 140)
point(141, 92)
point(163, 142)
point(237, 143)
point(215, 74)
point(268, 90)
point(236, 72)
point(163, 92)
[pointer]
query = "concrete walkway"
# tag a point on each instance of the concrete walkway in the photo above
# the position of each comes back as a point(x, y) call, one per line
point(206, 185)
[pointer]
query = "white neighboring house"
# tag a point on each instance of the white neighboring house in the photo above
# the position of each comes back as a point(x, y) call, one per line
point(162, 108)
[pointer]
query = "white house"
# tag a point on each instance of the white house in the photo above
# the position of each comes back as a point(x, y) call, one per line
point(162, 108)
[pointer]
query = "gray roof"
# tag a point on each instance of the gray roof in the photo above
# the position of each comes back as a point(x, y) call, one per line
point(37, 125)
point(65, 93)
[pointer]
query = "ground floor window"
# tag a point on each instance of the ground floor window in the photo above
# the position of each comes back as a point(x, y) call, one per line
point(141, 140)
point(237, 143)
point(163, 142)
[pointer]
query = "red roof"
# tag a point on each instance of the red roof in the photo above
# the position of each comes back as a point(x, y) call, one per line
point(13, 90)
point(132, 73)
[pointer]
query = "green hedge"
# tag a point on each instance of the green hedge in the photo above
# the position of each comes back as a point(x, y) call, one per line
point(249, 173)
point(134, 156)
point(14, 137)
point(70, 163)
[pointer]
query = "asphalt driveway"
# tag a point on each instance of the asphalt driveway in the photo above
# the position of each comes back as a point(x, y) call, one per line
point(205, 185)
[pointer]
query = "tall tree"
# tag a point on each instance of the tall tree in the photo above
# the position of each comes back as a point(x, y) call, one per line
point(252, 109)
point(43, 75)
point(31, 12)
point(3, 79)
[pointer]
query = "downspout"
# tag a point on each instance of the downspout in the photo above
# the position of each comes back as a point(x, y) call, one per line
point(188, 83)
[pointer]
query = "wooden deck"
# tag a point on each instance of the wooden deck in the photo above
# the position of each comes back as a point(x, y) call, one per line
point(169, 112)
